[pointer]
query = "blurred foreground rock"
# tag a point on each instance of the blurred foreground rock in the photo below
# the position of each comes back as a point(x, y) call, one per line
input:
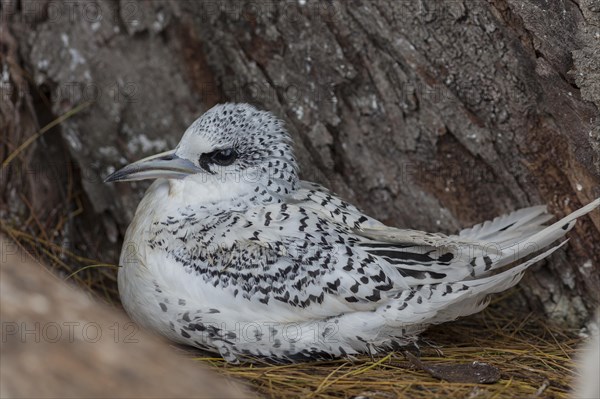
point(56, 342)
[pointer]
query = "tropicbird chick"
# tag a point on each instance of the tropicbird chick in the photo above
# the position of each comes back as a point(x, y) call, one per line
point(230, 252)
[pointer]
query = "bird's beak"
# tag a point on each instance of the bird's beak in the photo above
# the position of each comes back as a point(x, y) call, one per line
point(165, 165)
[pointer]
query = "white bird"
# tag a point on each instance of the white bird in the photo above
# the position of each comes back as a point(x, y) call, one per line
point(229, 251)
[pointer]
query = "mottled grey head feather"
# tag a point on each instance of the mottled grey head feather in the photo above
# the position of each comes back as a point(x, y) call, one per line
point(263, 146)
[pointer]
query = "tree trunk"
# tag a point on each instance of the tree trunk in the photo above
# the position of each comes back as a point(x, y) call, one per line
point(432, 115)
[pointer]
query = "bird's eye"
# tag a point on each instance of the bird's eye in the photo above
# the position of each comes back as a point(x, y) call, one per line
point(224, 157)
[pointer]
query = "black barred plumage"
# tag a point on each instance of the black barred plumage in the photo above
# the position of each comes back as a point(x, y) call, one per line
point(231, 252)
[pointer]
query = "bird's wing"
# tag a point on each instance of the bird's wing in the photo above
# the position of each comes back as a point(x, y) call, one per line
point(318, 257)
point(310, 251)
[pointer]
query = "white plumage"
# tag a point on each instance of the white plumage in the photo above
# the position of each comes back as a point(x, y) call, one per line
point(230, 252)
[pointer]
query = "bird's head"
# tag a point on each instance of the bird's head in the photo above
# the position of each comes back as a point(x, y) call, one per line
point(231, 147)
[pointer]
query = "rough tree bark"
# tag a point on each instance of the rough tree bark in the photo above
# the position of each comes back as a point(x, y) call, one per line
point(428, 114)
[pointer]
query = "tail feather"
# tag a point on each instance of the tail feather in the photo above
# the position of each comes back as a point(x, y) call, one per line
point(442, 302)
point(536, 238)
point(476, 296)
point(507, 225)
